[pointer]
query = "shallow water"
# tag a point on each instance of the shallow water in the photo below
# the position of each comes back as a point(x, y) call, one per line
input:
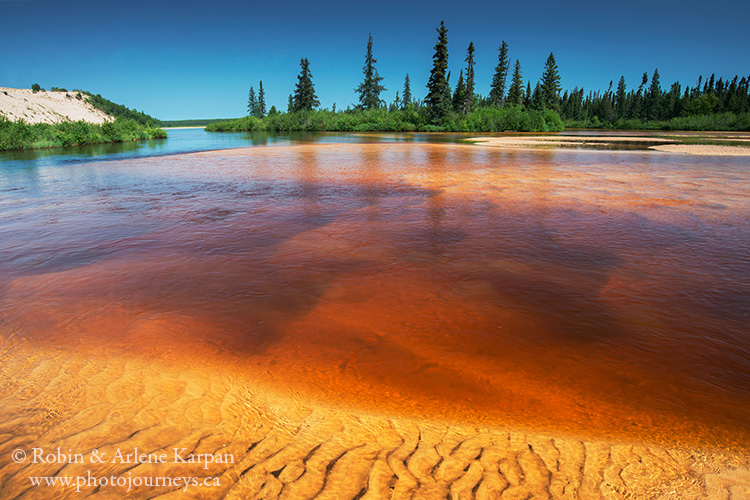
point(602, 293)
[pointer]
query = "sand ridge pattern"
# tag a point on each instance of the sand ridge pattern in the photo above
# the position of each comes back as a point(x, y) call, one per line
point(285, 447)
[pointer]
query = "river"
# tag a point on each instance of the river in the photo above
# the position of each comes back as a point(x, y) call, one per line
point(606, 292)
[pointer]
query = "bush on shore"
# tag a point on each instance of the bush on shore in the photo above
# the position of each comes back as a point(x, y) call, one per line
point(20, 135)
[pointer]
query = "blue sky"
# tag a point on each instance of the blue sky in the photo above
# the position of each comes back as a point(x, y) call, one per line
point(180, 59)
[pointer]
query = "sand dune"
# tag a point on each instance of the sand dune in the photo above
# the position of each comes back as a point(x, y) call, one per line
point(283, 446)
point(47, 107)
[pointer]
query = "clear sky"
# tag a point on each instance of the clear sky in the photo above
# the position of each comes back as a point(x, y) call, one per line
point(181, 59)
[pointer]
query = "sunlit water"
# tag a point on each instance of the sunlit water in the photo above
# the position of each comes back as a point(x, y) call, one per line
point(605, 293)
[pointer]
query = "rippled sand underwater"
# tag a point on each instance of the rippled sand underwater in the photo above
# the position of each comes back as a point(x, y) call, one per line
point(593, 294)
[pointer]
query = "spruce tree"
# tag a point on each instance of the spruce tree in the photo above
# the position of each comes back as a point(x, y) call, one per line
point(607, 110)
point(537, 98)
point(620, 98)
point(527, 97)
point(670, 105)
point(710, 84)
point(515, 92)
point(638, 99)
point(468, 104)
point(733, 96)
point(261, 109)
point(497, 88)
point(551, 84)
point(369, 90)
point(290, 104)
point(406, 98)
point(438, 98)
point(252, 102)
point(459, 95)
point(304, 92)
point(652, 101)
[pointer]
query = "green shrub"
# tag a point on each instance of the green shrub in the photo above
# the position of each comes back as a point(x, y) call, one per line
point(485, 119)
point(19, 135)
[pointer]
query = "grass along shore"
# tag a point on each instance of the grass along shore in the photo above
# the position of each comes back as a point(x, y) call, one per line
point(15, 135)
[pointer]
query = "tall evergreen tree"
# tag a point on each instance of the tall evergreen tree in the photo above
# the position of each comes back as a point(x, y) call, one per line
point(459, 95)
point(671, 104)
point(252, 102)
point(527, 97)
point(551, 84)
point(607, 109)
point(438, 98)
point(710, 85)
point(369, 90)
point(497, 88)
point(261, 110)
point(637, 111)
point(620, 98)
point(290, 104)
point(468, 103)
point(653, 97)
point(515, 92)
point(537, 97)
point(697, 89)
point(406, 98)
point(304, 92)
point(396, 103)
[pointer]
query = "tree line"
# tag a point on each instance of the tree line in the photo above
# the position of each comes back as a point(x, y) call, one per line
point(444, 108)
point(441, 101)
point(726, 102)
point(510, 105)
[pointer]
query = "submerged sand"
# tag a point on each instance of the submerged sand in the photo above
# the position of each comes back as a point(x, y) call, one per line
point(79, 389)
point(47, 107)
point(265, 444)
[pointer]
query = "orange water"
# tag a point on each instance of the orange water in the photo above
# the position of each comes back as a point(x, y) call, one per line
point(602, 293)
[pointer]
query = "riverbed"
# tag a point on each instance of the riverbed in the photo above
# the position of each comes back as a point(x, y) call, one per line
point(599, 295)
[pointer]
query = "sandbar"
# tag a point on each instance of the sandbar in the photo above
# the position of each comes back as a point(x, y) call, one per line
point(596, 142)
point(704, 149)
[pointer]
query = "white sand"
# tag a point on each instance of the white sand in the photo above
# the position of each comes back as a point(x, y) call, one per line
point(47, 107)
point(704, 149)
point(560, 140)
point(552, 141)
